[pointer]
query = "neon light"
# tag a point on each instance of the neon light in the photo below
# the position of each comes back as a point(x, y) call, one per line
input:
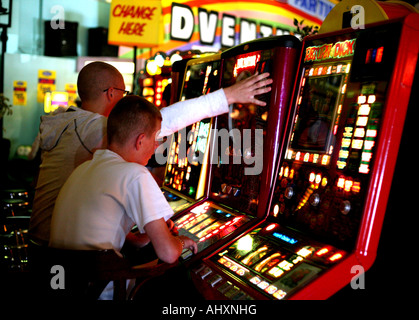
point(348, 185)
point(362, 121)
point(285, 238)
point(245, 243)
point(364, 168)
point(297, 260)
point(275, 272)
point(371, 133)
point(362, 99)
point(276, 210)
point(335, 129)
point(285, 265)
point(366, 156)
point(341, 164)
point(379, 55)
point(255, 280)
point(263, 285)
point(305, 252)
point(330, 51)
point(286, 172)
point(271, 289)
point(369, 145)
point(250, 256)
point(364, 109)
point(368, 56)
point(325, 160)
point(312, 177)
point(371, 98)
point(270, 227)
point(335, 257)
point(359, 132)
point(346, 143)
point(322, 251)
point(279, 294)
point(246, 63)
point(357, 144)
point(356, 187)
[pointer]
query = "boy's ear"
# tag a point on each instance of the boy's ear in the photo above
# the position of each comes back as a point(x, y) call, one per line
point(138, 141)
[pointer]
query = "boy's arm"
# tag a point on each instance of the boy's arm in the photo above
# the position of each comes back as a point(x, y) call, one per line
point(168, 247)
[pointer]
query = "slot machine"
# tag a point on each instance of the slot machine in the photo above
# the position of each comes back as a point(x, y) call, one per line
point(335, 169)
point(178, 73)
point(243, 146)
point(186, 176)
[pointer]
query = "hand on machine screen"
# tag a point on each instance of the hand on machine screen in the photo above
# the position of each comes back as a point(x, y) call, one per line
point(245, 91)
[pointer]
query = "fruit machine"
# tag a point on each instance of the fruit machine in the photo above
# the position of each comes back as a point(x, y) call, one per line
point(335, 168)
point(178, 72)
point(186, 176)
point(243, 146)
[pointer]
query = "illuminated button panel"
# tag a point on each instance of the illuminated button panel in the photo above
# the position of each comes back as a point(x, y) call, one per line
point(319, 202)
point(275, 261)
point(360, 132)
point(207, 223)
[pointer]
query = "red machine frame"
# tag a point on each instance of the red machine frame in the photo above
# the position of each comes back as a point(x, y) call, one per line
point(381, 176)
point(385, 162)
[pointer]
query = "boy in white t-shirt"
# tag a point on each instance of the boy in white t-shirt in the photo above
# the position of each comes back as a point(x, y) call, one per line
point(106, 196)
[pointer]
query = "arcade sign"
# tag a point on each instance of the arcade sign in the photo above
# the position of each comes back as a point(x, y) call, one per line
point(136, 23)
point(336, 50)
point(182, 26)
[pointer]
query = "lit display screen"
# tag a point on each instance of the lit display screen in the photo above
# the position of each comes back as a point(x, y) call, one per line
point(239, 146)
point(186, 172)
point(313, 129)
point(276, 262)
point(318, 112)
point(208, 223)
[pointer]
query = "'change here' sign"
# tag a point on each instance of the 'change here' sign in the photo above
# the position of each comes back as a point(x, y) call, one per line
point(135, 23)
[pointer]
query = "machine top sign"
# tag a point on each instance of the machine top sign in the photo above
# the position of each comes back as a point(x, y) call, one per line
point(336, 50)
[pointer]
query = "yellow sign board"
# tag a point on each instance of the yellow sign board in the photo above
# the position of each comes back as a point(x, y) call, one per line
point(71, 89)
point(136, 23)
point(46, 83)
point(20, 97)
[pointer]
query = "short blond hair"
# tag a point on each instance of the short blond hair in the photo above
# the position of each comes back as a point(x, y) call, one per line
point(131, 116)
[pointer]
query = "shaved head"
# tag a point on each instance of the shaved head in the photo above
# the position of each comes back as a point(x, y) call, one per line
point(96, 77)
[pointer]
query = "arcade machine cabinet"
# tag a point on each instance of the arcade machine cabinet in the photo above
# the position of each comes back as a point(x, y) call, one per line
point(335, 170)
point(244, 146)
point(178, 73)
point(186, 176)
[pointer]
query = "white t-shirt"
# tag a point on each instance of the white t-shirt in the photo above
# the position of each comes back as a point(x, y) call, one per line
point(102, 200)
